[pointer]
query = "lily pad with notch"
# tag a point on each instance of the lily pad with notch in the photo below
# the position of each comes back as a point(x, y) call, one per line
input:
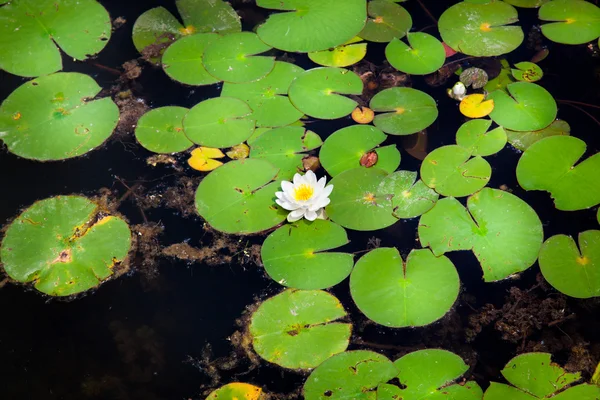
point(397, 294)
point(527, 3)
point(481, 30)
point(54, 117)
point(411, 197)
point(283, 147)
point(161, 130)
point(182, 61)
point(422, 55)
point(319, 92)
point(430, 374)
point(524, 107)
point(233, 58)
point(534, 376)
point(311, 25)
point(219, 122)
point(523, 139)
point(344, 149)
point(404, 111)
point(299, 329)
point(295, 255)
point(476, 137)
point(549, 165)
point(527, 71)
point(65, 245)
point(343, 55)
point(238, 197)
point(267, 97)
point(503, 231)
point(385, 22)
point(32, 31)
point(571, 270)
point(570, 21)
point(349, 375)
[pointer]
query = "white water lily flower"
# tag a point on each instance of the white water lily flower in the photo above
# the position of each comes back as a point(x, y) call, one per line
point(304, 197)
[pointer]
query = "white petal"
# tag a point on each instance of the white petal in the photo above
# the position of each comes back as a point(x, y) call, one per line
point(279, 195)
point(295, 215)
point(311, 178)
point(286, 205)
point(298, 179)
point(319, 204)
point(287, 186)
point(321, 183)
point(310, 215)
point(327, 191)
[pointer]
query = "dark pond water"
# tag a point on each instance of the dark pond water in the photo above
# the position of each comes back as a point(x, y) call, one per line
point(141, 337)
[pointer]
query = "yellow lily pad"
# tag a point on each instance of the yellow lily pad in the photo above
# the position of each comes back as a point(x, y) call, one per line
point(474, 106)
point(203, 158)
point(239, 151)
point(236, 390)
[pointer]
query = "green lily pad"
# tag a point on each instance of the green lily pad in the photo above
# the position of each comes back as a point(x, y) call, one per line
point(475, 137)
point(236, 390)
point(549, 165)
point(232, 58)
point(430, 374)
point(297, 328)
point(409, 199)
point(522, 140)
point(481, 30)
point(64, 245)
point(451, 171)
point(238, 197)
point(219, 122)
point(535, 376)
point(158, 26)
point(31, 30)
point(502, 80)
point(405, 110)
point(385, 22)
point(319, 92)
point(161, 130)
point(397, 294)
point(295, 255)
point(344, 149)
point(570, 270)
point(570, 21)
point(422, 55)
point(527, 71)
point(52, 118)
point(311, 25)
point(340, 56)
point(182, 60)
point(283, 148)
point(527, 3)
point(350, 375)
point(503, 231)
point(267, 97)
point(526, 107)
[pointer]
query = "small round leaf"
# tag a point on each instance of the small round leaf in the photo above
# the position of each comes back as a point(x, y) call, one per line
point(236, 390)
point(386, 21)
point(423, 55)
point(570, 21)
point(161, 130)
point(182, 61)
point(474, 136)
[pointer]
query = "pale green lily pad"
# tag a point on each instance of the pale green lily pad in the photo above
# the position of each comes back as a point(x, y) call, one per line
point(572, 271)
point(31, 30)
point(526, 3)
point(570, 21)
point(405, 110)
point(527, 71)
point(340, 56)
point(267, 97)
point(430, 374)
point(298, 329)
point(451, 171)
point(397, 294)
point(345, 147)
point(158, 26)
point(219, 122)
point(422, 55)
point(526, 107)
point(239, 197)
point(283, 148)
point(411, 198)
point(319, 92)
point(311, 25)
point(549, 165)
point(503, 231)
point(233, 58)
point(475, 136)
point(522, 140)
point(349, 375)
point(182, 61)
point(53, 118)
point(481, 30)
point(295, 255)
point(161, 130)
point(64, 245)
point(535, 376)
point(386, 21)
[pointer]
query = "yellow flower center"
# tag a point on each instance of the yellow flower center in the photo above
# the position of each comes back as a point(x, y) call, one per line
point(303, 192)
